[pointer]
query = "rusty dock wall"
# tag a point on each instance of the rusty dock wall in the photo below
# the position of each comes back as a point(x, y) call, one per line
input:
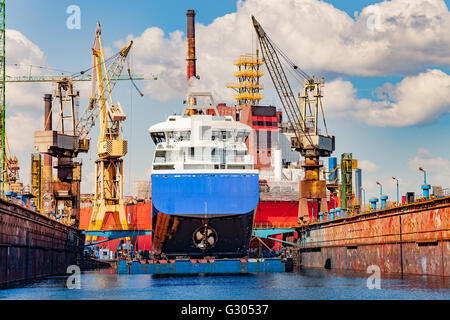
point(33, 246)
point(410, 239)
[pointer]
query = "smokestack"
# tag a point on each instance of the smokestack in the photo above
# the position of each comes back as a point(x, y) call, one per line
point(47, 168)
point(48, 112)
point(191, 67)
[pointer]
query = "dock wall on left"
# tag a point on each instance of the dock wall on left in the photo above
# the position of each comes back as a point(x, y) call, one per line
point(33, 246)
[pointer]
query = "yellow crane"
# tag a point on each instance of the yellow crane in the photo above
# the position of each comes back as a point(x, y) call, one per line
point(71, 136)
point(111, 144)
point(69, 140)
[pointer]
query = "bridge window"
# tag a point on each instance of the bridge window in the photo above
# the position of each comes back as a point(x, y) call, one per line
point(158, 137)
point(241, 136)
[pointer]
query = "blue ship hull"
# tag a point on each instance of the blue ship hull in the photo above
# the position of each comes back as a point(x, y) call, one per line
point(203, 214)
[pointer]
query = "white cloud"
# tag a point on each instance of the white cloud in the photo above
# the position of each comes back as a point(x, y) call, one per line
point(424, 153)
point(437, 168)
point(419, 99)
point(367, 166)
point(24, 101)
point(319, 37)
point(21, 54)
point(20, 131)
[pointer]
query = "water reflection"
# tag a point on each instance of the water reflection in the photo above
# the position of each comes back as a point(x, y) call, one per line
point(303, 284)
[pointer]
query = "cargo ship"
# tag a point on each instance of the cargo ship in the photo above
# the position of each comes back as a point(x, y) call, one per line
point(204, 186)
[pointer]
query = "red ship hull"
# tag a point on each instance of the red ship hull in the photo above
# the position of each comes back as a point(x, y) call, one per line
point(139, 217)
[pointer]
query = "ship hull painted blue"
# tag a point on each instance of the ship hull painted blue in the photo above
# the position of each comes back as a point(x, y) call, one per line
point(184, 203)
point(205, 194)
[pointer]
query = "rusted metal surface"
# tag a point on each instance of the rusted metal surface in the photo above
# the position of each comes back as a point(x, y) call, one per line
point(47, 201)
point(191, 60)
point(311, 189)
point(411, 239)
point(33, 246)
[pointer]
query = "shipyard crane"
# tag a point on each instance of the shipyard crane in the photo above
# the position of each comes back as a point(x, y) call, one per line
point(12, 179)
point(68, 140)
point(304, 121)
point(111, 143)
point(71, 136)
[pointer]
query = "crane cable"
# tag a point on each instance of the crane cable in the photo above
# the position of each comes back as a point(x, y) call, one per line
point(131, 78)
point(298, 71)
point(267, 44)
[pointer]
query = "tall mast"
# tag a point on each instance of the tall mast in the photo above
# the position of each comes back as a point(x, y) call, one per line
point(2, 93)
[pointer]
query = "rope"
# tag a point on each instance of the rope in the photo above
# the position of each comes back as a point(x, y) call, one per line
point(132, 125)
point(132, 80)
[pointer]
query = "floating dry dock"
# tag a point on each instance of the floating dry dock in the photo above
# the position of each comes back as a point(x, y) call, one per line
point(408, 239)
point(33, 246)
point(201, 266)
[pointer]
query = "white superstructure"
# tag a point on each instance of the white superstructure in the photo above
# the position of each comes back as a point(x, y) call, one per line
point(200, 142)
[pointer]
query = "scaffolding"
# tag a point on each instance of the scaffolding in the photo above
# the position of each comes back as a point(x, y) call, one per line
point(248, 75)
point(36, 179)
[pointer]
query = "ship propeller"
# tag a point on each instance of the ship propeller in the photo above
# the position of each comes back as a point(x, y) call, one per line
point(205, 237)
point(198, 236)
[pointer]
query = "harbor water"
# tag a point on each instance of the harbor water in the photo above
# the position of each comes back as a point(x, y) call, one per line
point(313, 284)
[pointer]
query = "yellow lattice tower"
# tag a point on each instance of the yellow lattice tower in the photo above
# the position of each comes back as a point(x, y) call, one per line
point(248, 74)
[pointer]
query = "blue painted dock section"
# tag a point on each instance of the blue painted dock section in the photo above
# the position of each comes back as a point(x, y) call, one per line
point(219, 266)
point(265, 233)
point(117, 234)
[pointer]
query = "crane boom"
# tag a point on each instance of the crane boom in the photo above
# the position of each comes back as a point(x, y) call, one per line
point(73, 78)
point(303, 119)
point(111, 144)
point(104, 79)
point(280, 81)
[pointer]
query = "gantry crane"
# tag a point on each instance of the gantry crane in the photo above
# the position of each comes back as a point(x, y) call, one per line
point(63, 143)
point(71, 136)
point(111, 144)
point(303, 119)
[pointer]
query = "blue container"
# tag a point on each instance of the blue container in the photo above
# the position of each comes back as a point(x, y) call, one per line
point(383, 201)
point(332, 164)
point(334, 213)
point(426, 191)
point(337, 213)
point(320, 216)
point(331, 215)
point(373, 203)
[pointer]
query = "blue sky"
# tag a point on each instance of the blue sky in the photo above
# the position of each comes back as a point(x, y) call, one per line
point(391, 150)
